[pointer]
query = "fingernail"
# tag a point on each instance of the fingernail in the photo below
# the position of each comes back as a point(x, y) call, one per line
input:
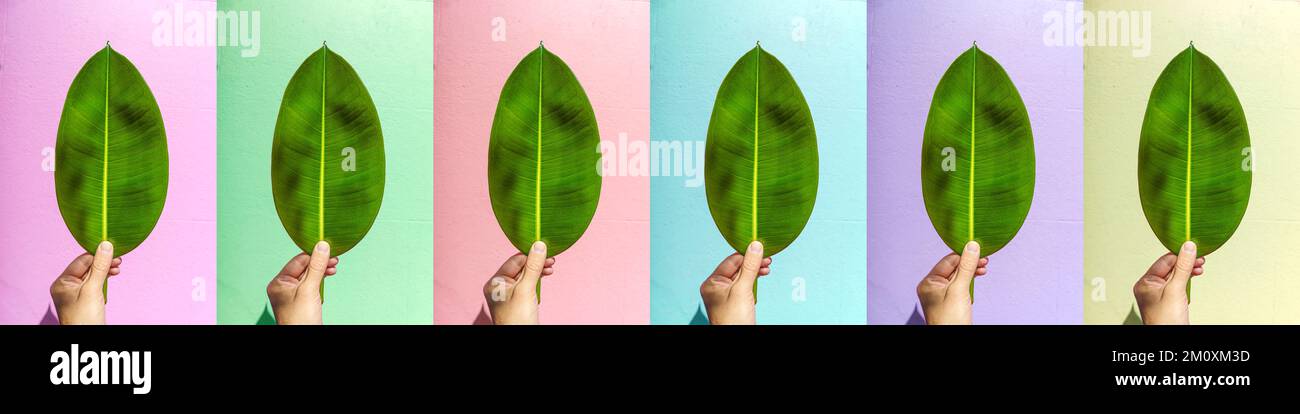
point(105, 246)
point(1189, 247)
point(322, 246)
point(755, 247)
point(539, 246)
point(972, 246)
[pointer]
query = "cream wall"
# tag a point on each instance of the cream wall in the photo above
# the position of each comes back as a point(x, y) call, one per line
point(1253, 278)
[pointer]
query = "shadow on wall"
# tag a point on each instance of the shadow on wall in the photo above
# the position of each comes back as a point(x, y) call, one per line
point(267, 317)
point(916, 318)
point(50, 318)
point(700, 317)
point(483, 317)
point(1133, 318)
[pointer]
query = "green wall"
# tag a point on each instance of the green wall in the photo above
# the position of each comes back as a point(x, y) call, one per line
point(387, 278)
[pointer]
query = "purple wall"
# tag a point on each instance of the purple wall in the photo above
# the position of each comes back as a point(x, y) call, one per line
point(1038, 277)
point(171, 277)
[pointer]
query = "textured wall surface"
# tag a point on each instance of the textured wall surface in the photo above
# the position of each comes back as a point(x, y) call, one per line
point(1249, 279)
point(386, 278)
point(1035, 278)
point(170, 278)
point(821, 277)
point(603, 278)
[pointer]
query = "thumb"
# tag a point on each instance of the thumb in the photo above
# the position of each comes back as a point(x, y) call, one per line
point(99, 266)
point(749, 268)
point(320, 257)
point(533, 267)
point(1182, 268)
point(970, 258)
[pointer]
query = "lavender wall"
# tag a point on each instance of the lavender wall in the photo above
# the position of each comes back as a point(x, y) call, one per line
point(1037, 278)
point(171, 277)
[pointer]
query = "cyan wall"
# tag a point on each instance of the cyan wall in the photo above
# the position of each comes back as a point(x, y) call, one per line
point(821, 277)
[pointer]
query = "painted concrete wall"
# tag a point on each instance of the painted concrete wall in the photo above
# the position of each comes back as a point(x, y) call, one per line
point(171, 277)
point(604, 277)
point(1249, 279)
point(387, 277)
point(1034, 279)
point(820, 278)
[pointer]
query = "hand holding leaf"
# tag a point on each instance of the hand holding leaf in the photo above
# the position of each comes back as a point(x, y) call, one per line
point(977, 159)
point(111, 156)
point(760, 159)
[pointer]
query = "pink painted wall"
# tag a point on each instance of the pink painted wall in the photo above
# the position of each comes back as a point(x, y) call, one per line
point(170, 277)
point(604, 278)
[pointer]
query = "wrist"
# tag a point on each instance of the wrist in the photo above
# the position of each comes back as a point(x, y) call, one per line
point(297, 318)
point(946, 317)
point(732, 318)
point(514, 320)
point(1159, 318)
point(80, 318)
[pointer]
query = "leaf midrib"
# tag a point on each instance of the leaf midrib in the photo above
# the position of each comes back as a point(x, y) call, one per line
point(970, 194)
point(320, 195)
point(537, 183)
point(103, 187)
point(753, 225)
point(1187, 193)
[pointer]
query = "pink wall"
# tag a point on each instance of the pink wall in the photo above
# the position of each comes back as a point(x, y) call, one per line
point(604, 278)
point(43, 43)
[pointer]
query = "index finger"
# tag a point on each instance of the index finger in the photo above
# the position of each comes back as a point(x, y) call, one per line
point(945, 267)
point(511, 267)
point(296, 266)
point(78, 267)
point(1162, 266)
point(727, 268)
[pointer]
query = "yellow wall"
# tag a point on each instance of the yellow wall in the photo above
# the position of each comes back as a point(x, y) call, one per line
point(1255, 277)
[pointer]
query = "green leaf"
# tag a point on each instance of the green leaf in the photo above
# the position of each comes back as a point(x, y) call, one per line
point(1194, 156)
point(543, 158)
point(760, 158)
point(977, 158)
point(111, 155)
point(327, 161)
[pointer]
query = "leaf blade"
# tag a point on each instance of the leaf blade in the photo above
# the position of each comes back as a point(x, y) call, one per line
point(542, 155)
point(327, 160)
point(1192, 179)
point(977, 161)
point(111, 172)
point(760, 168)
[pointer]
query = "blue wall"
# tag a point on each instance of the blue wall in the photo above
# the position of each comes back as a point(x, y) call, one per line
point(692, 46)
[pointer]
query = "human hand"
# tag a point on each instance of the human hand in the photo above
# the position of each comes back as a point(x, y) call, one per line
point(78, 292)
point(1162, 293)
point(728, 293)
point(512, 292)
point(945, 292)
point(295, 293)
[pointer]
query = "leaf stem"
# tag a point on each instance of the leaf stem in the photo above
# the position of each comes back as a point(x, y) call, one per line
point(320, 195)
point(970, 197)
point(758, 54)
point(103, 185)
point(537, 195)
point(1187, 196)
